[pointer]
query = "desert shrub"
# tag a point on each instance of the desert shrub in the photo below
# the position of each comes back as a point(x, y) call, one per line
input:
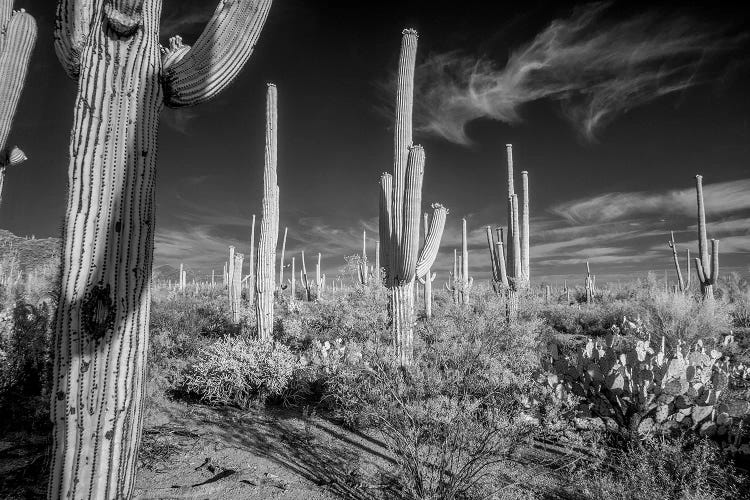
point(237, 370)
point(681, 317)
point(191, 315)
point(448, 432)
point(25, 340)
point(672, 469)
point(594, 319)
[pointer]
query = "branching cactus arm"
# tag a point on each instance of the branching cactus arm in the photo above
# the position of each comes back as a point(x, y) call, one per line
point(432, 240)
point(385, 222)
point(195, 75)
point(72, 28)
point(18, 33)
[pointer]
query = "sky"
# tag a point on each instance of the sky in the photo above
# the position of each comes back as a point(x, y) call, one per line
point(611, 108)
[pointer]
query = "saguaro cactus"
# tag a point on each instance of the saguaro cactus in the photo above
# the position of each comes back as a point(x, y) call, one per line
point(269, 226)
point(17, 38)
point(497, 260)
point(303, 279)
point(111, 47)
point(362, 273)
point(281, 260)
point(236, 287)
point(320, 279)
point(708, 270)
point(251, 278)
point(466, 281)
point(400, 209)
point(675, 257)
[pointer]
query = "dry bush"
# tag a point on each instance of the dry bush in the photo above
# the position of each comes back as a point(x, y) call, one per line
point(685, 468)
point(681, 317)
point(236, 371)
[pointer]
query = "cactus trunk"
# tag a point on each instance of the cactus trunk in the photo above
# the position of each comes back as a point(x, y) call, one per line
point(112, 48)
point(707, 270)
point(269, 226)
point(236, 288)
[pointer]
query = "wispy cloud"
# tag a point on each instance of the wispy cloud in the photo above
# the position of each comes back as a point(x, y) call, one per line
point(720, 198)
point(595, 69)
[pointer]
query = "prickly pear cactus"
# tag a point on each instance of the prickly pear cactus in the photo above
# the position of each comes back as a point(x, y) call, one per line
point(645, 390)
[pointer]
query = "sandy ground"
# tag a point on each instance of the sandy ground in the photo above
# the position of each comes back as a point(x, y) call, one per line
point(191, 451)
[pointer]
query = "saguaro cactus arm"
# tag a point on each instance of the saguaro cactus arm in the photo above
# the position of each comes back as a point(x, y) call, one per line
point(408, 250)
point(72, 28)
point(219, 54)
point(385, 222)
point(17, 38)
point(432, 239)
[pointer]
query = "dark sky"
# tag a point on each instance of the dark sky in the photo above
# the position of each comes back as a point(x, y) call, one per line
point(610, 197)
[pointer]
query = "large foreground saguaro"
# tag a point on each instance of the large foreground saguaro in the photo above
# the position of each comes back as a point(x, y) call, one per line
point(400, 210)
point(111, 47)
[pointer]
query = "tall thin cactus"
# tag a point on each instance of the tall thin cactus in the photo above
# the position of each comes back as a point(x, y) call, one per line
point(467, 282)
point(708, 270)
point(281, 259)
point(400, 210)
point(251, 278)
point(676, 259)
point(265, 273)
point(497, 260)
point(125, 78)
point(236, 287)
point(17, 38)
point(362, 273)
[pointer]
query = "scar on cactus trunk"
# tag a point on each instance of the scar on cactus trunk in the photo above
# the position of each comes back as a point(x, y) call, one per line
point(111, 47)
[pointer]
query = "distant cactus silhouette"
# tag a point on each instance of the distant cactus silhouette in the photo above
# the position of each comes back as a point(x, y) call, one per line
point(125, 78)
point(17, 38)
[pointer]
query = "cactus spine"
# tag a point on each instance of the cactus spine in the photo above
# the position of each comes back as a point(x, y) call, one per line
point(111, 47)
point(269, 226)
point(708, 270)
point(18, 33)
point(402, 209)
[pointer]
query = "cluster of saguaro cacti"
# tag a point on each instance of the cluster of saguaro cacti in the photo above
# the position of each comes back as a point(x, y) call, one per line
point(461, 283)
point(510, 262)
point(589, 285)
point(265, 273)
point(401, 209)
point(643, 390)
point(125, 78)
point(17, 38)
point(517, 258)
point(707, 269)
